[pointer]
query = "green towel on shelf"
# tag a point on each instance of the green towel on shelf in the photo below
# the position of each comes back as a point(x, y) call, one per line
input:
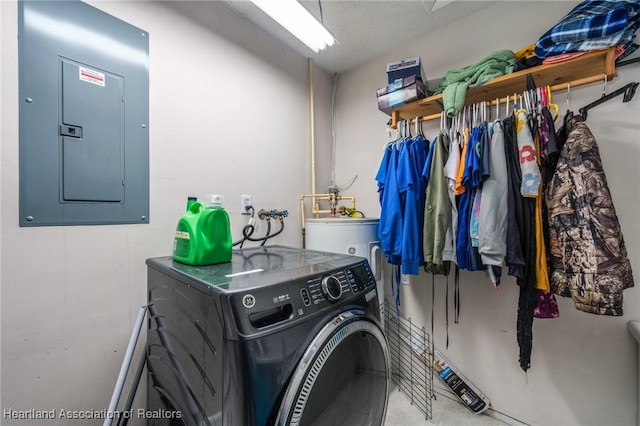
point(453, 98)
point(456, 82)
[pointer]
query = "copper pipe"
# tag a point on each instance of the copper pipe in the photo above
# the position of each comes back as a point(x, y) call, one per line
point(316, 211)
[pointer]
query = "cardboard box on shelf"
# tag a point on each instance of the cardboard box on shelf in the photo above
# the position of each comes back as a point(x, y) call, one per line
point(403, 69)
point(401, 91)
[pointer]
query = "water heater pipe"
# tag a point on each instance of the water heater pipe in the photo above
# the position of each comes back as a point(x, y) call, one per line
point(316, 198)
point(316, 211)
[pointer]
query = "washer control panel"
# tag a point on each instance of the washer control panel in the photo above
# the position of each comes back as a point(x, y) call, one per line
point(266, 307)
point(360, 277)
point(332, 287)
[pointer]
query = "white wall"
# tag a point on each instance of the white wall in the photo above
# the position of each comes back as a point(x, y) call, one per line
point(583, 367)
point(229, 113)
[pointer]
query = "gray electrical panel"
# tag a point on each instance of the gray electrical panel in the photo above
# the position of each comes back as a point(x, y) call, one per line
point(84, 113)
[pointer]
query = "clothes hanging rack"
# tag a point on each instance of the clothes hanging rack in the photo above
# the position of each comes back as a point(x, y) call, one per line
point(584, 69)
point(628, 91)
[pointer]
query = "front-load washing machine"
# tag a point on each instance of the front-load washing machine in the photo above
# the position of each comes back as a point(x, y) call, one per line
point(277, 336)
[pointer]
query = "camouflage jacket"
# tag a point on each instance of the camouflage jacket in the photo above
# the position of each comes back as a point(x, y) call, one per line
point(588, 257)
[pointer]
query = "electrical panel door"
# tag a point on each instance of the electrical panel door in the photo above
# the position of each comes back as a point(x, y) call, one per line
point(84, 112)
point(92, 135)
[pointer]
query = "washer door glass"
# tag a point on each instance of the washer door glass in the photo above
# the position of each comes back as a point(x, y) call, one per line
point(343, 377)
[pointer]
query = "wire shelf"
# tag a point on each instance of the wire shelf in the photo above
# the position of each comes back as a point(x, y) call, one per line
point(411, 358)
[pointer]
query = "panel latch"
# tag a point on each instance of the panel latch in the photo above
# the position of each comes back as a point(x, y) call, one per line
point(71, 131)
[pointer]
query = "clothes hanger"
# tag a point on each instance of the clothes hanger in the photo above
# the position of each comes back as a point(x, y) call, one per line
point(567, 122)
point(402, 131)
point(447, 124)
point(506, 109)
point(472, 114)
point(458, 128)
point(532, 103)
point(527, 107)
point(523, 107)
point(475, 115)
point(628, 91)
point(550, 104)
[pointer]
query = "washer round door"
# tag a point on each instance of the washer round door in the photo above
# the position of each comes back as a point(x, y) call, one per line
point(342, 378)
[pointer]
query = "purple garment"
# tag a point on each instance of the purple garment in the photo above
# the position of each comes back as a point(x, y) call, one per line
point(546, 305)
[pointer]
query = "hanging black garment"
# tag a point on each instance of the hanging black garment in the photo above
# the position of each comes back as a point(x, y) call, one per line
point(521, 244)
point(515, 219)
point(527, 297)
point(551, 148)
point(563, 133)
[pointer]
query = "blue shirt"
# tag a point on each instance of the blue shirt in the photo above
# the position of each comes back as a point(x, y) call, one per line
point(473, 168)
point(390, 228)
point(409, 170)
point(426, 170)
point(463, 241)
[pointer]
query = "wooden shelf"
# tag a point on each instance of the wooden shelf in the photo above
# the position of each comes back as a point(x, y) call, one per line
point(584, 69)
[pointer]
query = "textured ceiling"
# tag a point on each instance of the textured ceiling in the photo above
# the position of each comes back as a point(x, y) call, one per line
point(365, 29)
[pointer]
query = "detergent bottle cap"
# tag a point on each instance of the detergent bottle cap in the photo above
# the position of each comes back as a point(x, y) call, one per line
point(191, 201)
point(214, 200)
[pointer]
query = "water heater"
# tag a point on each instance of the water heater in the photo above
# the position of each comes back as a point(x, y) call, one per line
point(355, 236)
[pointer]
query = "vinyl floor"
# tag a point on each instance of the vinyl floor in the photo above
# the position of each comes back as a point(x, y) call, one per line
point(445, 411)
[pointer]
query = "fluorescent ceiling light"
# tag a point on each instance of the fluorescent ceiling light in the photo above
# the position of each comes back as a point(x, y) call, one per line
point(298, 21)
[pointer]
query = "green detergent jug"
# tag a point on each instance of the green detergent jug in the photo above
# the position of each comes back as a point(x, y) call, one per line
point(203, 236)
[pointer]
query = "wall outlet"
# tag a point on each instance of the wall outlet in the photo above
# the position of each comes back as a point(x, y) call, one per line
point(405, 279)
point(245, 201)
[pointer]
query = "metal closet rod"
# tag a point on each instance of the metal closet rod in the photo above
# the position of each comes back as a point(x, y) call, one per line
point(554, 88)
